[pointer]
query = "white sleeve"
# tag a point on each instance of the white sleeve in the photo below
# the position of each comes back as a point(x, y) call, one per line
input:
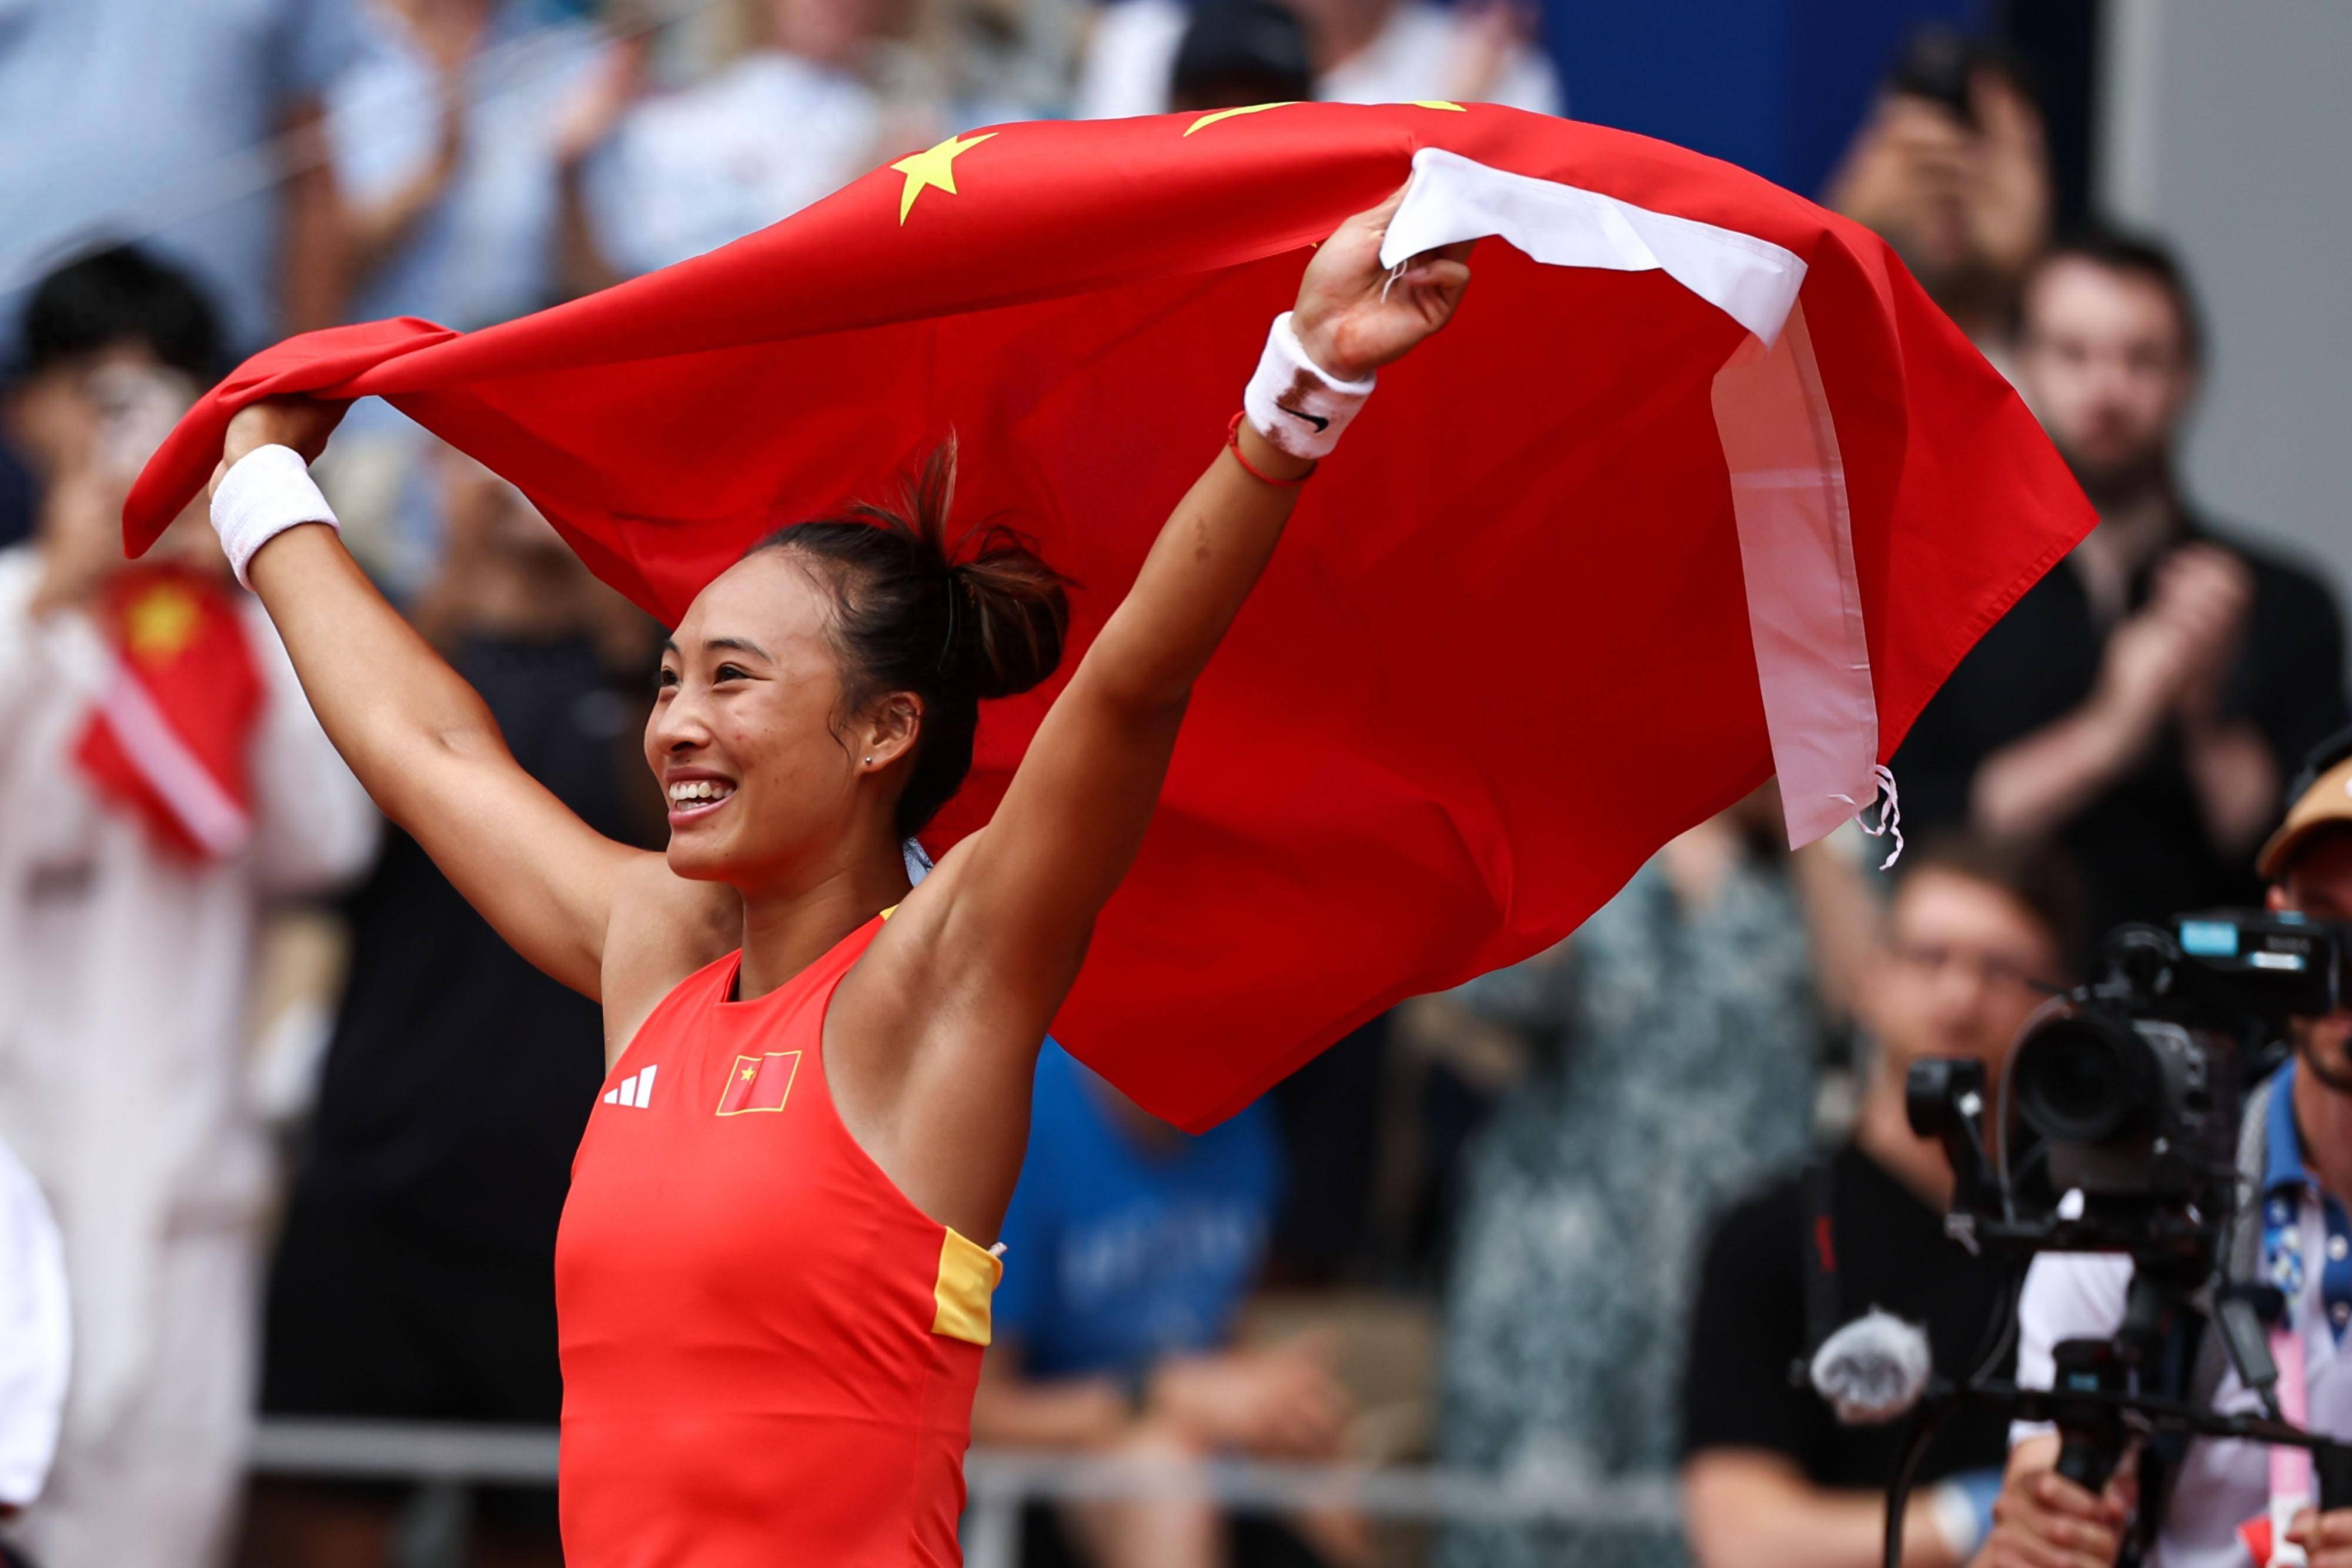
point(2067, 1295)
point(35, 1336)
point(24, 681)
point(313, 826)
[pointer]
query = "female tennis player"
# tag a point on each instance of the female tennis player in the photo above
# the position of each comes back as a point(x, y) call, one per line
point(770, 1281)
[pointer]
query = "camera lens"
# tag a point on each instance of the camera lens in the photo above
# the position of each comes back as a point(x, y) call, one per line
point(2081, 1078)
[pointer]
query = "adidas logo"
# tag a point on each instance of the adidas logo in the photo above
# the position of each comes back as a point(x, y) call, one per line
point(637, 1089)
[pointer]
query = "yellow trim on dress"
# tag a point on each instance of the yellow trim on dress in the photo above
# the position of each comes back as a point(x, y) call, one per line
point(968, 1277)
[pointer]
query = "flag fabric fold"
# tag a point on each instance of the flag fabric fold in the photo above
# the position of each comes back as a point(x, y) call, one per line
point(1697, 487)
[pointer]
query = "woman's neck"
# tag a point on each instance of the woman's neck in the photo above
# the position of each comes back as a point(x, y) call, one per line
point(787, 929)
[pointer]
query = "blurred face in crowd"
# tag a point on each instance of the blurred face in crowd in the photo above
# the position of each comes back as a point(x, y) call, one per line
point(1961, 974)
point(88, 422)
point(506, 569)
point(2106, 364)
point(835, 33)
point(486, 515)
point(2318, 882)
point(81, 408)
point(1927, 223)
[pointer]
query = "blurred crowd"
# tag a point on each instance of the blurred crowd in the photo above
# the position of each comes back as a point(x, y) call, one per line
point(295, 1126)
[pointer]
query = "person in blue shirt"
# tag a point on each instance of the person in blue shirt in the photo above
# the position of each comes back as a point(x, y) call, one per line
point(1129, 1251)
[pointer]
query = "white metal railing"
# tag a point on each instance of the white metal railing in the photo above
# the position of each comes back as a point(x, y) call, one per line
point(999, 1481)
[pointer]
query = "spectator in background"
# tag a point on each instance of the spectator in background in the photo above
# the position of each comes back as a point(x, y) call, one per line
point(1685, 1023)
point(1770, 1480)
point(1130, 1250)
point(446, 140)
point(2145, 706)
point(1952, 171)
point(792, 118)
point(414, 1279)
point(161, 774)
point(35, 1347)
point(125, 117)
point(1367, 51)
point(2219, 1503)
point(1237, 52)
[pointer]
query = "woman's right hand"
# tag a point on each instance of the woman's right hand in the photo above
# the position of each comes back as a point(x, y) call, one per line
point(301, 422)
point(1353, 317)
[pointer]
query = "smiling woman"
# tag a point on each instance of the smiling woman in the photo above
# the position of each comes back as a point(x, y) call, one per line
point(910, 632)
point(771, 1283)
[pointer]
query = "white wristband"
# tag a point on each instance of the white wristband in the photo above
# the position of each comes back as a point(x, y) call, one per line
point(1294, 403)
point(264, 493)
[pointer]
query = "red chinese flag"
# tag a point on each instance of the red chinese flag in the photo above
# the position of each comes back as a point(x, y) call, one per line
point(760, 1082)
point(167, 738)
point(1696, 487)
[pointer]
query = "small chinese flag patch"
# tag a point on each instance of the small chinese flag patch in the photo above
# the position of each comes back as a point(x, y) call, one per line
point(759, 1082)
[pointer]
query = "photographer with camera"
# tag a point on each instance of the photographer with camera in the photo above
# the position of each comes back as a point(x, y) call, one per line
point(2228, 1502)
point(1771, 1478)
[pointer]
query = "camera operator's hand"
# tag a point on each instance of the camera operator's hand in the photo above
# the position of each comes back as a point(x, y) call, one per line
point(2325, 1538)
point(2041, 1519)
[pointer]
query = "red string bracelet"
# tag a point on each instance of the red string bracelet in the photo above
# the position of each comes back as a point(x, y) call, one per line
point(1233, 441)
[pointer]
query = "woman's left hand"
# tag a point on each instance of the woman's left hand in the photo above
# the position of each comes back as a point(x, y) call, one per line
point(1353, 318)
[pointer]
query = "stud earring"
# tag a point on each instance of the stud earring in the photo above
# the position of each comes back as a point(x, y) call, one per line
point(869, 762)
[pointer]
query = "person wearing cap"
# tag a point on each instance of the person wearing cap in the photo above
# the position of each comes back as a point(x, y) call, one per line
point(2227, 1503)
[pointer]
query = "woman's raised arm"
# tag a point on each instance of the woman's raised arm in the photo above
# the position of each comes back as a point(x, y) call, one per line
point(1018, 900)
point(419, 739)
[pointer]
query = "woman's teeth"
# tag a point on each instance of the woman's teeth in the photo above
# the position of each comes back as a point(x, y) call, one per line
point(699, 792)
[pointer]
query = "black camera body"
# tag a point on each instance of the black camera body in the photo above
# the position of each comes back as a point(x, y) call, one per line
point(2133, 1109)
point(2132, 1088)
point(2135, 1085)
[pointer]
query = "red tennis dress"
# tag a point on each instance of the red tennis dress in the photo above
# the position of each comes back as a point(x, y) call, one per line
point(768, 1352)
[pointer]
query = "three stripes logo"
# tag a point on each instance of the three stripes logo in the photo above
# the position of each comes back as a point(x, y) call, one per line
point(637, 1089)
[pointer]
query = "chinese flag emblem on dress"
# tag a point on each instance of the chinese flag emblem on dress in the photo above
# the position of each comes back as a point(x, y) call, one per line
point(759, 1082)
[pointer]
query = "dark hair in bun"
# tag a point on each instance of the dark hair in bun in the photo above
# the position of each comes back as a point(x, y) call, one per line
point(951, 624)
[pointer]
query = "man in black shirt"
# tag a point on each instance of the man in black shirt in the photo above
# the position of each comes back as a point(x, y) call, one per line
point(2143, 705)
point(1770, 1480)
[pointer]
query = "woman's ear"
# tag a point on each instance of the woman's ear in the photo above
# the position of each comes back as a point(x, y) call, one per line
point(890, 730)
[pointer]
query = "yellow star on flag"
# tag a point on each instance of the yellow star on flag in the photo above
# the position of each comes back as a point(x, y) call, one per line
point(933, 167)
point(159, 624)
point(1212, 118)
